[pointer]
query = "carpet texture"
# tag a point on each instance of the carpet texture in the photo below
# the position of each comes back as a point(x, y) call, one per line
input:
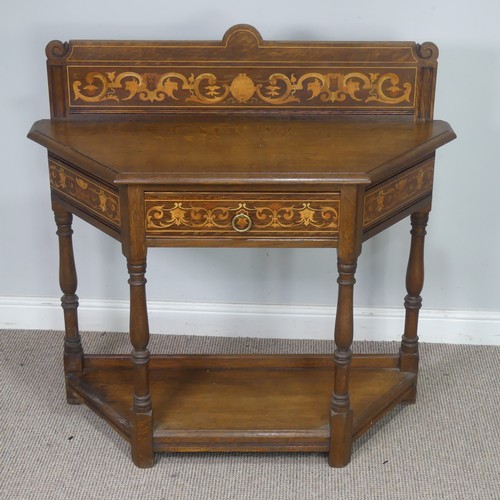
point(447, 446)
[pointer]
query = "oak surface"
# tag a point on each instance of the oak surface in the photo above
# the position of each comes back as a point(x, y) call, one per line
point(235, 150)
point(247, 403)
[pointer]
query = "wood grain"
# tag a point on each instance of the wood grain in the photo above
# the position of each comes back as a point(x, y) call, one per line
point(243, 403)
point(294, 155)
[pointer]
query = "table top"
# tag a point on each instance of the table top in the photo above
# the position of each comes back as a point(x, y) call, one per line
point(236, 149)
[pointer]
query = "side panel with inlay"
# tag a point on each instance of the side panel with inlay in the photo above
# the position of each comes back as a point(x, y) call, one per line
point(89, 195)
point(397, 193)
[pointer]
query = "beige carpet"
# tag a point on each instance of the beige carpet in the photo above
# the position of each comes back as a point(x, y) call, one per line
point(447, 446)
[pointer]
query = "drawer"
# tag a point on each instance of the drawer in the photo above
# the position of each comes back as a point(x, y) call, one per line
point(397, 193)
point(98, 200)
point(240, 215)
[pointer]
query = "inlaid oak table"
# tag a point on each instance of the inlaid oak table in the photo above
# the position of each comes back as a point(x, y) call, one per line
point(241, 143)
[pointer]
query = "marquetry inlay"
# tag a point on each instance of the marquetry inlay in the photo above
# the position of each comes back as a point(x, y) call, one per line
point(231, 87)
point(90, 194)
point(396, 193)
point(169, 213)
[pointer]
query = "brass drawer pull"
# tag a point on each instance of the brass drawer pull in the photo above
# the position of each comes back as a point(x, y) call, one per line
point(241, 223)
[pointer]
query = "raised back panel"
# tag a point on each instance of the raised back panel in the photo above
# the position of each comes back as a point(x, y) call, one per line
point(242, 72)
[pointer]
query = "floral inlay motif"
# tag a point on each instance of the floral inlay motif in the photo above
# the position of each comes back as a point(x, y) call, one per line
point(192, 215)
point(174, 88)
point(396, 193)
point(85, 191)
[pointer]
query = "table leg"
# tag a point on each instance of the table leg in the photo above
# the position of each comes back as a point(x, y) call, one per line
point(73, 352)
point(408, 360)
point(142, 417)
point(349, 248)
point(340, 411)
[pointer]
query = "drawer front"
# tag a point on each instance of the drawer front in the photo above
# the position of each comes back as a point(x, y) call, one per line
point(399, 192)
point(234, 215)
point(93, 197)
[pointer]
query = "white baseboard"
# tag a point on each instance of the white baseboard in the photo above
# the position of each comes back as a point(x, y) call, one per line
point(254, 320)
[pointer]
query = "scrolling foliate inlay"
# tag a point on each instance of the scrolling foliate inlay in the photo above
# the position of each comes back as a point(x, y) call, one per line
point(384, 87)
point(395, 194)
point(91, 194)
point(174, 216)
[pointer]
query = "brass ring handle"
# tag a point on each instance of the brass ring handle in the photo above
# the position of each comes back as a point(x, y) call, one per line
point(241, 223)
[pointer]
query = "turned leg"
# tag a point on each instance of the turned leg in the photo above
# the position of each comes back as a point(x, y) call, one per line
point(73, 352)
point(142, 411)
point(340, 411)
point(408, 360)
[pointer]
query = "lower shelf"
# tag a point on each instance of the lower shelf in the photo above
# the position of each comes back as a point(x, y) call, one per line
point(242, 403)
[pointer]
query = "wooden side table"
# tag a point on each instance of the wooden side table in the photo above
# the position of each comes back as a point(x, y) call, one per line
point(241, 143)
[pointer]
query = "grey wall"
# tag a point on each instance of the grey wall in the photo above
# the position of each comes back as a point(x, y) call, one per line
point(463, 242)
